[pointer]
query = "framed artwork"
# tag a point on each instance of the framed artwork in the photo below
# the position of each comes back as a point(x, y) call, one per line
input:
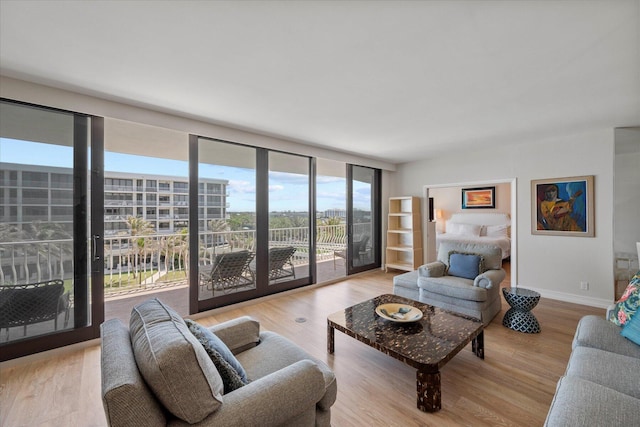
point(563, 206)
point(479, 198)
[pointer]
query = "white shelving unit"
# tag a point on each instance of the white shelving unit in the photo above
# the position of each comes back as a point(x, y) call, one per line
point(404, 234)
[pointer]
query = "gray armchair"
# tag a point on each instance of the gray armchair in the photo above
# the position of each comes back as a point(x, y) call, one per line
point(156, 373)
point(470, 285)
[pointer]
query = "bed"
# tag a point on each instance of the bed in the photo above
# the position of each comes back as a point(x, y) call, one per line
point(493, 228)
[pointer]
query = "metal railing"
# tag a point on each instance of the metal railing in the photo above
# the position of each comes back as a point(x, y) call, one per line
point(140, 261)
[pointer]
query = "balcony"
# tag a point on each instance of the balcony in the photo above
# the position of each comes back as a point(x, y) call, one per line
point(137, 267)
point(151, 255)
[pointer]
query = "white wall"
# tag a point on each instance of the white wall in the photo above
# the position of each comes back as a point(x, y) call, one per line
point(552, 265)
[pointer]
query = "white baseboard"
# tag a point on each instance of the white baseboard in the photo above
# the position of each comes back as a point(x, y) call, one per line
point(573, 298)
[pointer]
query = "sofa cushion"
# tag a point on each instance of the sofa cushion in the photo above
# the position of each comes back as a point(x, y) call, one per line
point(274, 353)
point(230, 370)
point(173, 363)
point(579, 403)
point(615, 371)
point(628, 303)
point(126, 398)
point(465, 265)
point(455, 287)
point(597, 332)
point(407, 280)
point(631, 330)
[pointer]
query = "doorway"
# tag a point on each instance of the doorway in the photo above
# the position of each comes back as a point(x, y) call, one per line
point(447, 199)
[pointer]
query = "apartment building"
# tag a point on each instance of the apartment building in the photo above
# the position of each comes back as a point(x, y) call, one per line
point(31, 193)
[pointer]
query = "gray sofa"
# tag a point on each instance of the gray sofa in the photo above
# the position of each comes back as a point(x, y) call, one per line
point(156, 373)
point(433, 284)
point(601, 385)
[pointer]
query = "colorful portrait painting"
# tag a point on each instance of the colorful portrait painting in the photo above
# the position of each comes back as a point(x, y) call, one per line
point(563, 206)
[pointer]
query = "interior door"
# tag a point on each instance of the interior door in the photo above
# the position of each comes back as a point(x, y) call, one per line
point(363, 218)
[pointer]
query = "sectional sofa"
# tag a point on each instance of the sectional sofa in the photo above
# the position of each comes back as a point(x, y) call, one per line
point(601, 385)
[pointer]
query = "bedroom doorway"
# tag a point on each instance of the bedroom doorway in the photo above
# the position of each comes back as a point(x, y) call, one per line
point(446, 201)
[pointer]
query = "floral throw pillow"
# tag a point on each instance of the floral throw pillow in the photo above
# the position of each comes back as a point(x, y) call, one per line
point(628, 304)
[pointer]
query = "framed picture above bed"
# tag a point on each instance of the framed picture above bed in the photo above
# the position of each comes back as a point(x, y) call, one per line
point(563, 206)
point(479, 198)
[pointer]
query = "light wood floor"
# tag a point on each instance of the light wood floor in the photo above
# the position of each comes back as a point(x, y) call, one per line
point(512, 386)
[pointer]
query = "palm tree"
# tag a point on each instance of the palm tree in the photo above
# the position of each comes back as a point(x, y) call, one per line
point(219, 226)
point(138, 227)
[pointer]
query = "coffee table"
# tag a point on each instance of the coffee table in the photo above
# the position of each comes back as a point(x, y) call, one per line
point(427, 344)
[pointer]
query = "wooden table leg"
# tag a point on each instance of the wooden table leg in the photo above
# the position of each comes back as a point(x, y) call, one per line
point(428, 388)
point(330, 339)
point(477, 345)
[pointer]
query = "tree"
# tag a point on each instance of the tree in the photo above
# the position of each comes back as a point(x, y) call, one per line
point(138, 227)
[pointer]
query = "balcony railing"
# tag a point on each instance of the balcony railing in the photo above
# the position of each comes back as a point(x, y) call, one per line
point(138, 262)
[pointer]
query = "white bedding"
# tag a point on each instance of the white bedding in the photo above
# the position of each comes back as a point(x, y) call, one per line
point(503, 242)
point(491, 228)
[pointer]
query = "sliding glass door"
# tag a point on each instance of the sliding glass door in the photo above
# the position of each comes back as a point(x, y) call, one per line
point(290, 236)
point(45, 252)
point(363, 218)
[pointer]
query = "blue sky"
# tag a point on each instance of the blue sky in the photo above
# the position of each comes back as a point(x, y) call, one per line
point(286, 191)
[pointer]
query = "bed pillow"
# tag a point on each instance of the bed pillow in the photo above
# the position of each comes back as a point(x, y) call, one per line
point(465, 265)
point(460, 229)
point(497, 230)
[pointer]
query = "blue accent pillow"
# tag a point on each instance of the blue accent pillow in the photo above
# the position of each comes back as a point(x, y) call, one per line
point(631, 329)
point(464, 265)
point(232, 373)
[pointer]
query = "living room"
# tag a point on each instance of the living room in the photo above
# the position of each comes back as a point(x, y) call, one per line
point(549, 140)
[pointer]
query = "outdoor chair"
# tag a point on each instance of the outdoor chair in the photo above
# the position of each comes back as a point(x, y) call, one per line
point(359, 251)
point(228, 271)
point(281, 263)
point(23, 305)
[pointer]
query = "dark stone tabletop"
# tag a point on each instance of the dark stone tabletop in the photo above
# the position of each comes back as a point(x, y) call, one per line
point(428, 342)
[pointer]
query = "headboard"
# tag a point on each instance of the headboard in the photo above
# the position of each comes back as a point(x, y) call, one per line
point(481, 218)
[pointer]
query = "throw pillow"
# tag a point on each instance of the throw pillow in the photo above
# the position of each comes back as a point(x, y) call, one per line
point(497, 231)
point(461, 229)
point(628, 303)
point(465, 265)
point(232, 373)
point(631, 330)
point(173, 363)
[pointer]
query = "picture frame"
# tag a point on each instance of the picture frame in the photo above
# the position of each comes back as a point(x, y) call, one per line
point(563, 206)
point(479, 198)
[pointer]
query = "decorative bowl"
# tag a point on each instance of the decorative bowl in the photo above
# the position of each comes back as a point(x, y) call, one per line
point(400, 313)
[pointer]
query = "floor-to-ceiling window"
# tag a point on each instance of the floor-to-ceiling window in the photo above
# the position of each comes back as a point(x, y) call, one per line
point(290, 232)
point(226, 187)
point(146, 217)
point(45, 258)
point(109, 208)
point(363, 218)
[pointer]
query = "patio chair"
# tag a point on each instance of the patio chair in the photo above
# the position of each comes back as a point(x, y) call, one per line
point(281, 263)
point(229, 271)
point(23, 305)
point(359, 251)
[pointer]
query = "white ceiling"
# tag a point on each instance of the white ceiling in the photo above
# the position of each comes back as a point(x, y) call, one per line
point(390, 80)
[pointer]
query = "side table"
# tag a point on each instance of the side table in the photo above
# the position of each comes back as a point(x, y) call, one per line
point(519, 316)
